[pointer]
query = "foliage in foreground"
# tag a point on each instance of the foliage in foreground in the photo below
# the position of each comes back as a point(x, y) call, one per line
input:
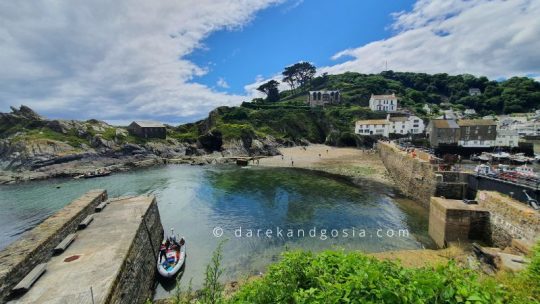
point(340, 277)
point(337, 277)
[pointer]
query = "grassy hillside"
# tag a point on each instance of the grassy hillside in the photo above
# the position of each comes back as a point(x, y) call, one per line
point(290, 120)
point(517, 94)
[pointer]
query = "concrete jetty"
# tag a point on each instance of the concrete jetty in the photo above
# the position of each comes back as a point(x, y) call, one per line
point(112, 260)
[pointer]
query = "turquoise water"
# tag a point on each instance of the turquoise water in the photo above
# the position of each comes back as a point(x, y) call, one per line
point(312, 211)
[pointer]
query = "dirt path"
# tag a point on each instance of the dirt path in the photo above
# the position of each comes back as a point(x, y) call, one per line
point(350, 162)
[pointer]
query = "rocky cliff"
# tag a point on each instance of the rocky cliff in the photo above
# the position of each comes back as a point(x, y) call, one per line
point(30, 143)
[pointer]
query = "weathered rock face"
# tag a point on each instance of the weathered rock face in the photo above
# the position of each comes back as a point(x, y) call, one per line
point(211, 141)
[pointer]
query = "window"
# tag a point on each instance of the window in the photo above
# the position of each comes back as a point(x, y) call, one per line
point(415, 126)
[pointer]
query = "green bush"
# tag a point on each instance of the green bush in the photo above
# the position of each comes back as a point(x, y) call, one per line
point(338, 277)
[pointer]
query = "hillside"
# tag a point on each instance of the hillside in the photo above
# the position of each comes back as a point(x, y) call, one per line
point(29, 141)
point(515, 95)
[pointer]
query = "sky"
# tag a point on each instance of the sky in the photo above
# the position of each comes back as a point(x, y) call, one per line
point(176, 60)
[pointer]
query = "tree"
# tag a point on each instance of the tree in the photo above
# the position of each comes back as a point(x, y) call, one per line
point(299, 74)
point(271, 90)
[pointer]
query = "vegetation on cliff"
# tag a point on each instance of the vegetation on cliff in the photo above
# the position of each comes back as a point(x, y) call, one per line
point(284, 118)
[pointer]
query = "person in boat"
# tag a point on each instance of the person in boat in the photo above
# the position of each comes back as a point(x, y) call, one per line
point(163, 250)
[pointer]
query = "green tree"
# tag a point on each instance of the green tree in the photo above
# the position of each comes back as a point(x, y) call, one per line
point(299, 74)
point(271, 90)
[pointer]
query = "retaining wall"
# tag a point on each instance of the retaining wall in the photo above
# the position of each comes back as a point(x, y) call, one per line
point(36, 246)
point(509, 219)
point(412, 176)
point(136, 279)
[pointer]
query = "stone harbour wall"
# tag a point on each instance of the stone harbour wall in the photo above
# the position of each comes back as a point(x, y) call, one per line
point(414, 177)
point(509, 219)
point(136, 280)
point(36, 246)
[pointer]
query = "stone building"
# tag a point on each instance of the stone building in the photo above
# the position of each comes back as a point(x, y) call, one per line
point(321, 98)
point(443, 132)
point(387, 103)
point(148, 129)
point(477, 133)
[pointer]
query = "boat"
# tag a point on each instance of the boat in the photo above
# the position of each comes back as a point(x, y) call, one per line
point(526, 171)
point(484, 170)
point(484, 157)
point(172, 256)
point(520, 158)
point(499, 156)
point(537, 158)
point(96, 173)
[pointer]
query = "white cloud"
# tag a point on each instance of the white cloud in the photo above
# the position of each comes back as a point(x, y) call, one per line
point(222, 83)
point(494, 38)
point(113, 59)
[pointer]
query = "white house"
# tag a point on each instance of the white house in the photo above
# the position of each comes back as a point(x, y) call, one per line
point(387, 103)
point(427, 108)
point(372, 127)
point(391, 125)
point(405, 125)
point(321, 98)
point(470, 112)
point(475, 91)
point(507, 138)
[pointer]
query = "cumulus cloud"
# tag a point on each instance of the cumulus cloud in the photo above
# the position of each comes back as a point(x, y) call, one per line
point(494, 38)
point(222, 83)
point(114, 60)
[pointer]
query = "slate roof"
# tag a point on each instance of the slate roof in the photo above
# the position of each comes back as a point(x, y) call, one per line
point(445, 124)
point(148, 124)
point(476, 122)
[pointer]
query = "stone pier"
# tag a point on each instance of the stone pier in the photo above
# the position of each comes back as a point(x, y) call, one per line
point(454, 221)
point(36, 246)
point(110, 261)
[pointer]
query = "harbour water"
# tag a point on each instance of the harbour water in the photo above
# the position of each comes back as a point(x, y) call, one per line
point(257, 212)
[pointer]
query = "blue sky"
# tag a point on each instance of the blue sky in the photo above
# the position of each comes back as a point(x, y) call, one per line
point(312, 30)
point(176, 60)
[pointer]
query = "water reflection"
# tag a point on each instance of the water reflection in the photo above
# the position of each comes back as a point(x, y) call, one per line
point(195, 200)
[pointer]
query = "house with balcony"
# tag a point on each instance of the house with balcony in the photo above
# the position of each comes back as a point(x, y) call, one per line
point(383, 103)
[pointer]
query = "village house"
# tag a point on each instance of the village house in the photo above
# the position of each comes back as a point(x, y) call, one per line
point(507, 138)
point(427, 108)
point(321, 98)
point(387, 103)
point(474, 92)
point(148, 129)
point(477, 133)
point(391, 125)
point(469, 112)
point(442, 132)
point(405, 125)
point(372, 127)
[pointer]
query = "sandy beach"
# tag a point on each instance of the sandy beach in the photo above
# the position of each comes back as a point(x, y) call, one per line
point(350, 162)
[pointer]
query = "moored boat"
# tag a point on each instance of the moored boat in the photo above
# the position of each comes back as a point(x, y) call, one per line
point(520, 158)
point(172, 256)
point(96, 173)
point(526, 171)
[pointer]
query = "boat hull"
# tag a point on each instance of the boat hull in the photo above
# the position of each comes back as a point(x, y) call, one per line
point(170, 272)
